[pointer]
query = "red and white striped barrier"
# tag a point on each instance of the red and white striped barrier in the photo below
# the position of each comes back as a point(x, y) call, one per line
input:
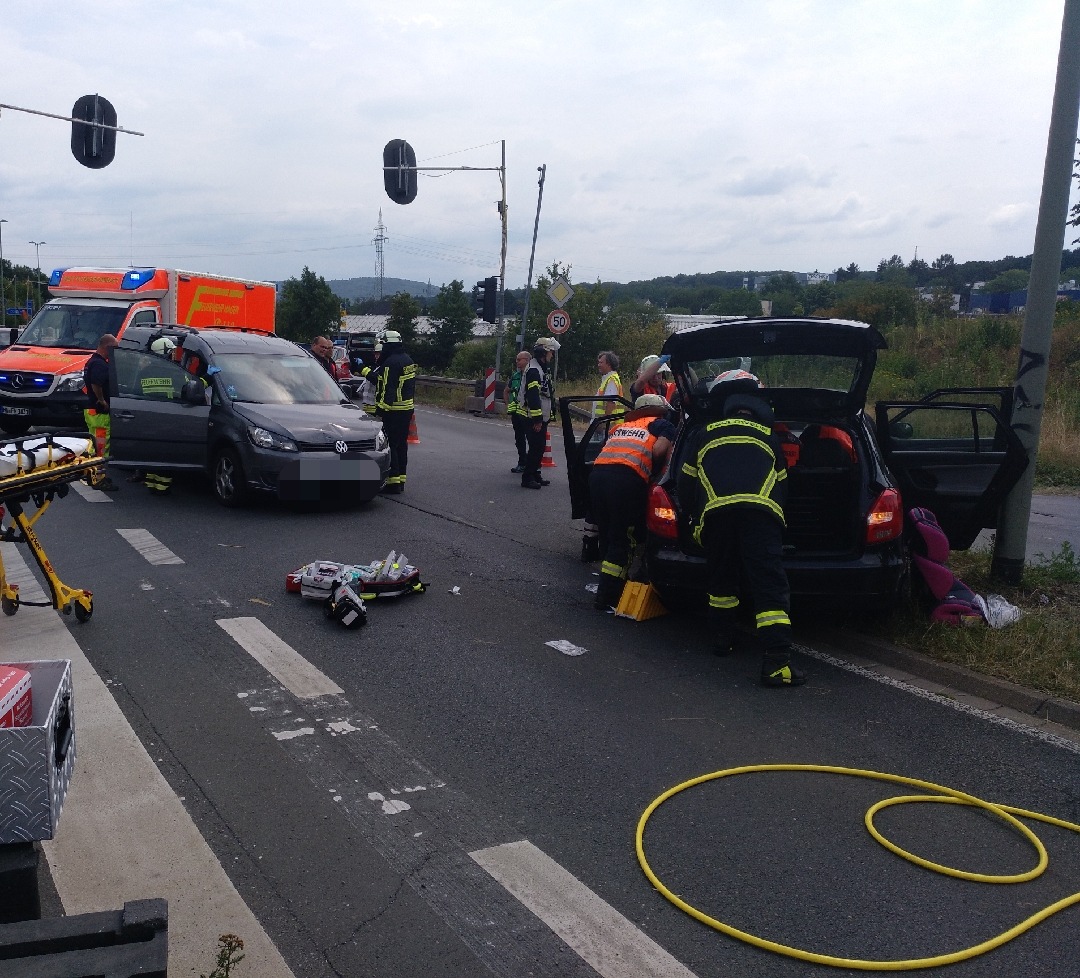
point(489, 391)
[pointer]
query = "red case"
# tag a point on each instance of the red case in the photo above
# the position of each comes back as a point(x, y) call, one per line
point(16, 697)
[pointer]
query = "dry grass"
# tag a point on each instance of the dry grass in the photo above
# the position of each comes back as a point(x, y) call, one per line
point(1041, 650)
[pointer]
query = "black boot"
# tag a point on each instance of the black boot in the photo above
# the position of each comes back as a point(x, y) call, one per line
point(608, 593)
point(590, 549)
point(777, 670)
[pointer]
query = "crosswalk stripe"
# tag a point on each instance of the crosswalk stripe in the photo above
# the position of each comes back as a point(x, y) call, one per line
point(284, 663)
point(90, 495)
point(150, 547)
point(593, 928)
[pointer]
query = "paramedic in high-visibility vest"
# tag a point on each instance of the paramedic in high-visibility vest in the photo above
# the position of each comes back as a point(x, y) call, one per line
point(610, 385)
point(394, 390)
point(622, 475)
point(96, 410)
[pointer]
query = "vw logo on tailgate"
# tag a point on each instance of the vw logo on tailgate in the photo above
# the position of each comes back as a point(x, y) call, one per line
point(341, 447)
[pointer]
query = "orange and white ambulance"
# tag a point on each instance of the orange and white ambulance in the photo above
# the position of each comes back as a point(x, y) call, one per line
point(41, 374)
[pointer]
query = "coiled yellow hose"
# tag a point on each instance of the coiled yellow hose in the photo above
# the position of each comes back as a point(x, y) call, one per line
point(941, 795)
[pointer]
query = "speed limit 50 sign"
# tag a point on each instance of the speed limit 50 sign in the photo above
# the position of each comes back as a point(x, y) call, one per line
point(558, 321)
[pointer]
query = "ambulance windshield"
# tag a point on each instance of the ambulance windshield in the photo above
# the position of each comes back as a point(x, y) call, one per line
point(72, 327)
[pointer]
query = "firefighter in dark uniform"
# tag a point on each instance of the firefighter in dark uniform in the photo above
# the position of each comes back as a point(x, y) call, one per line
point(536, 402)
point(733, 484)
point(394, 389)
point(622, 474)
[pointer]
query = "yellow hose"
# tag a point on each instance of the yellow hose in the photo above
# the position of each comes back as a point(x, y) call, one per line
point(943, 795)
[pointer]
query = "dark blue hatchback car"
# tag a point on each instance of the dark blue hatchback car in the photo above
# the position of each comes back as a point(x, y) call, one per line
point(851, 478)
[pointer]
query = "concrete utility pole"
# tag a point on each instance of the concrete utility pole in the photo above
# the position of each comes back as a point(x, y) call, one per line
point(532, 254)
point(1029, 391)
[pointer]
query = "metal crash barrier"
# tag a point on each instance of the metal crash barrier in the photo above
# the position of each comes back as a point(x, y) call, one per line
point(34, 470)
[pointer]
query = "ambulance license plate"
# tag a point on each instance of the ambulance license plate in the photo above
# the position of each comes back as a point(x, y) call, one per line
point(20, 411)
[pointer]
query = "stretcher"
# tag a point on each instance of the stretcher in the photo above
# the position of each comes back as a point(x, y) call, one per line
point(34, 471)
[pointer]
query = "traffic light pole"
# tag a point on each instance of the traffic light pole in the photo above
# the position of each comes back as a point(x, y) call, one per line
point(502, 266)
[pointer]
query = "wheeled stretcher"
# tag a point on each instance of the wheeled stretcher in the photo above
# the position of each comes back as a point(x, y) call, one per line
point(34, 471)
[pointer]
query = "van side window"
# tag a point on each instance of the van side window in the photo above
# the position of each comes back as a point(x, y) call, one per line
point(148, 376)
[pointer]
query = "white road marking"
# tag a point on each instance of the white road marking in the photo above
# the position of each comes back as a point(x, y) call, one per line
point(90, 495)
point(150, 547)
point(284, 663)
point(601, 935)
point(124, 834)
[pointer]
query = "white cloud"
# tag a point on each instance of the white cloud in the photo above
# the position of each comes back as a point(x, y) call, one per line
point(678, 136)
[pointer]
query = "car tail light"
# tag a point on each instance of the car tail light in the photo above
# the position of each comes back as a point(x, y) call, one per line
point(885, 521)
point(660, 518)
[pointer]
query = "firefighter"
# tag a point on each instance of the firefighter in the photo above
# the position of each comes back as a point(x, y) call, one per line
point(96, 409)
point(536, 400)
point(517, 417)
point(733, 484)
point(394, 391)
point(633, 456)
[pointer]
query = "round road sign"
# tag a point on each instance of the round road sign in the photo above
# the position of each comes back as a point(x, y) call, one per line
point(558, 321)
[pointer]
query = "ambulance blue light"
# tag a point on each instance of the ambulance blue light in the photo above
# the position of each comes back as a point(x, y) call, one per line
point(136, 277)
point(57, 274)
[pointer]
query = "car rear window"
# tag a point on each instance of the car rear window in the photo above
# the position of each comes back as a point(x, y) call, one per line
point(787, 370)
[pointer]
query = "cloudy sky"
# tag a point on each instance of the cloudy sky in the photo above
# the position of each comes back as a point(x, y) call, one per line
point(679, 136)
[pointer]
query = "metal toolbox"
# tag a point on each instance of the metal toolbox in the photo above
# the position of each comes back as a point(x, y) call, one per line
point(36, 761)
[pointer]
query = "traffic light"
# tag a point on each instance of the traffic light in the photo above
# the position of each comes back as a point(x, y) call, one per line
point(93, 145)
point(399, 171)
point(485, 299)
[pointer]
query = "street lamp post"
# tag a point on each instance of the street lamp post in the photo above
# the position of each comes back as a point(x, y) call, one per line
point(37, 282)
point(3, 296)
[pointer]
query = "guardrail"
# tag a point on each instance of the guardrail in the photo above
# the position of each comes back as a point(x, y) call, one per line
point(477, 388)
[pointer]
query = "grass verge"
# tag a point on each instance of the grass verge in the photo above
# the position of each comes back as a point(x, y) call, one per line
point(1041, 650)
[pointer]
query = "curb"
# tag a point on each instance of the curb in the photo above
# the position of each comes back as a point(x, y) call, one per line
point(1034, 703)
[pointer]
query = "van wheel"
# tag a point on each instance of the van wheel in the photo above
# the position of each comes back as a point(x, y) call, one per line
point(230, 486)
point(14, 426)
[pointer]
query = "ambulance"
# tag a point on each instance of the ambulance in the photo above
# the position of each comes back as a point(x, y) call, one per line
point(41, 375)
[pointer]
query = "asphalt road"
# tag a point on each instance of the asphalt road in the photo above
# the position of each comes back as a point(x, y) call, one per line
point(445, 793)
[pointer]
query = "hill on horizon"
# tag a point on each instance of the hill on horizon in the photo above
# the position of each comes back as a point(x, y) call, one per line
point(368, 287)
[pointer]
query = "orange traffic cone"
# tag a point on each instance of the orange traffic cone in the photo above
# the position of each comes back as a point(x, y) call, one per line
point(547, 461)
point(414, 435)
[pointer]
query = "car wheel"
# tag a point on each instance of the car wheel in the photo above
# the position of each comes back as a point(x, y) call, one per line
point(14, 426)
point(230, 485)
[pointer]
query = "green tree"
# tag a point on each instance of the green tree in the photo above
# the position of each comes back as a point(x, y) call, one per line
point(1011, 281)
point(452, 318)
point(892, 270)
point(404, 312)
point(307, 308)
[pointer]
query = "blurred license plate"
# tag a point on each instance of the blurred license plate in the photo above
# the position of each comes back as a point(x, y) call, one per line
point(22, 412)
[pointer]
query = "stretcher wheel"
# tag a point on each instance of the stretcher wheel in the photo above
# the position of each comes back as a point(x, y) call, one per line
point(9, 605)
point(83, 614)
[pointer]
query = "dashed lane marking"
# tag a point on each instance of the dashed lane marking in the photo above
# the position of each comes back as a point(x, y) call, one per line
point(283, 662)
point(150, 547)
point(595, 930)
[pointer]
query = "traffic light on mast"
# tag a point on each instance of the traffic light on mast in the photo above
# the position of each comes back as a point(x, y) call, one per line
point(485, 298)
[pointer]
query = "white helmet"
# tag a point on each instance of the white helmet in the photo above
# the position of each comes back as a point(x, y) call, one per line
point(651, 401)
point(391, 336)
point(162, 346)
point(723, 378)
